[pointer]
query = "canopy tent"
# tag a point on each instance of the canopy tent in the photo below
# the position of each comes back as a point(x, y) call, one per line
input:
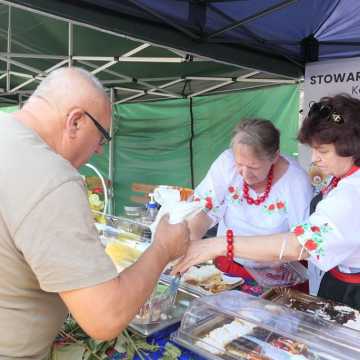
point(279, 36)
point(34, 42)
point(254, 43)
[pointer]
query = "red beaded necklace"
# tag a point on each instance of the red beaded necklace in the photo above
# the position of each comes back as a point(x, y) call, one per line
point(264, 196)
point(335, 180)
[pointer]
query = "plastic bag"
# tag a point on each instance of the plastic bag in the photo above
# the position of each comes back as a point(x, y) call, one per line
point(276, 274)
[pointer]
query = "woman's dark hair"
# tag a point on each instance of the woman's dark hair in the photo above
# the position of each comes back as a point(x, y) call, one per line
point(334, 120)
point(260, 134)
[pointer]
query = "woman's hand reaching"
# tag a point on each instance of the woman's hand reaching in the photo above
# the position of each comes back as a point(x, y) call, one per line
point(200, 251)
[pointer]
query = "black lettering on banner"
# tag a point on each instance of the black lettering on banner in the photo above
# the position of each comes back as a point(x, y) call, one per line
point(339, 77)
point(355, 90)
point(350, 77)
point(328, 78)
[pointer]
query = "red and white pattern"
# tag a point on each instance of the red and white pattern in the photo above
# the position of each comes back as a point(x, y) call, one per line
point(331, 234)
point(223, 189)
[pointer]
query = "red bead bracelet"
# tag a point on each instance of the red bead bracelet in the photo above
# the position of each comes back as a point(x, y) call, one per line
point(230, 244)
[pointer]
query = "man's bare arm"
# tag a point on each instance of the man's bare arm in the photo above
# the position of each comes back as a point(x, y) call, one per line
point(103, 311)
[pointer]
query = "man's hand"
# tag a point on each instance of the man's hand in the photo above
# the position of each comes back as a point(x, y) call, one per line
point(172, 238)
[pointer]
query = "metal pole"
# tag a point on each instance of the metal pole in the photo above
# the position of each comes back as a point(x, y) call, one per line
point(304, 152)
point(111, 205)
point(251, 18)
point(8, 50)
point(70, 43)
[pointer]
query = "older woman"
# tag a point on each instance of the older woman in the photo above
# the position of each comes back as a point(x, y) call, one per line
point(329, 238)
point(252, 189)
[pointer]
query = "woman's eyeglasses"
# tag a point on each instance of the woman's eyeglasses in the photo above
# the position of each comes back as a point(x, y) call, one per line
point(321, 110)
point(106, 136)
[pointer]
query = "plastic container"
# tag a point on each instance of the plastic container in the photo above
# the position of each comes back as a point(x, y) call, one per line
point(134, 211)
point(123, 228)
point(124, 240)
point(157, 307)
point(163, 305)
point(322, 309)
point(235, 325)
point(276, 274)
point(157, 317)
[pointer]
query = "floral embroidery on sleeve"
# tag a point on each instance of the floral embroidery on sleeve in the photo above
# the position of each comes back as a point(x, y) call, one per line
point(278, 207)
point(210, 201)
point(311, 237)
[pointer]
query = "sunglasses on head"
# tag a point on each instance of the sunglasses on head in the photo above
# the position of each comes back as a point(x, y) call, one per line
point(323, 110)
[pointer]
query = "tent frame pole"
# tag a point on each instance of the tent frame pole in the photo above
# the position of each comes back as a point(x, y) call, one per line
point(111, 205)
point(253, 17)
point(8, 49)
point(136, 87)
point(70, 43)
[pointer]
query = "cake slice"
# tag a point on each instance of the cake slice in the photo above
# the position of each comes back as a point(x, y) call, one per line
point(202, 275)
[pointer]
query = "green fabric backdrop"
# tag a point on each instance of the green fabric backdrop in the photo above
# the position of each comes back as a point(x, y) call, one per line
point(152, 141)
point(8, 109)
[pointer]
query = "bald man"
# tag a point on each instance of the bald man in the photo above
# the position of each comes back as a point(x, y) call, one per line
point(51, 260)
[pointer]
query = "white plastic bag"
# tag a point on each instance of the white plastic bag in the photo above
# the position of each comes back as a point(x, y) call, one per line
point(178, 211)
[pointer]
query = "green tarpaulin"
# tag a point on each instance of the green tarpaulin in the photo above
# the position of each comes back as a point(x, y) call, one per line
point(152, 141)
point(8, 109)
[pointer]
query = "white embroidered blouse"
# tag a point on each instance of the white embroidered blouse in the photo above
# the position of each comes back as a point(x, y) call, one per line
point(287, 203)
point(332, 233)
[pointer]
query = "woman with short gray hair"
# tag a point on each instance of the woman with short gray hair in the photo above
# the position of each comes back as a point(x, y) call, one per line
point(252, 189)
point(260, 134)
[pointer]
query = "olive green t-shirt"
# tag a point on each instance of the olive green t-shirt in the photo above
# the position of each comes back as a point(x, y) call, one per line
point(48, 241)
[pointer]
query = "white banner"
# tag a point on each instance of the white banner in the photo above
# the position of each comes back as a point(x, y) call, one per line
point(327, 78)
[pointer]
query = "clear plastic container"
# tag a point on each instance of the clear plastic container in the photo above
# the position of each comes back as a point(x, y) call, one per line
point(275, 274)
point(163, 305)
point(322, 309)
point(157, 307)
point(123, 227)
point(158, 313)
point(235, 325)
point(134, 212)
point(124, 239)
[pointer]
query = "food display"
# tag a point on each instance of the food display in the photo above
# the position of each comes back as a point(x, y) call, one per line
point(160, 310)
point(157, 307)
point(320, 308)
point(210, 279)
point(124, 253)
point(235, 325)
point(123, 239)
point(246, 341)
point(206, 279)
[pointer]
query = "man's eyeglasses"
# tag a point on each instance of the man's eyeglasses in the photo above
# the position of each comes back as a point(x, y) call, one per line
point(106, 136)
point(320, 110)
